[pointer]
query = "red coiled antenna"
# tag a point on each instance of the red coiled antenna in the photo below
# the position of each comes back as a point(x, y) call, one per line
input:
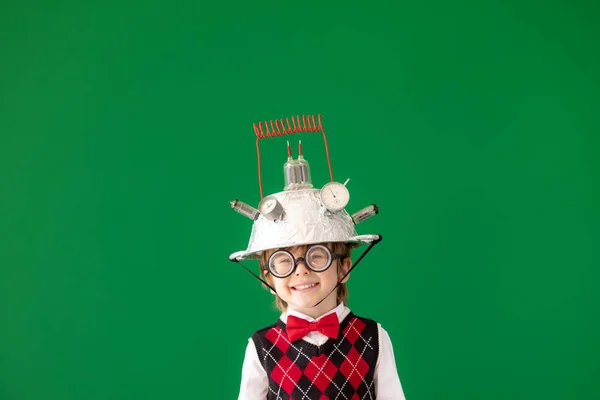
point(278, 128)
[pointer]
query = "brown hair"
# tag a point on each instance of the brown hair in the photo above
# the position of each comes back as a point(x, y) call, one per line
point(341, 248)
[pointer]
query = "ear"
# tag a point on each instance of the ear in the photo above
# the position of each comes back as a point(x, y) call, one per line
point(345, 265)
point(270, 281)
point(266, 277)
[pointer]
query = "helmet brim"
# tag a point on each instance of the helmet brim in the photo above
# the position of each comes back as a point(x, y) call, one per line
point(253, 255)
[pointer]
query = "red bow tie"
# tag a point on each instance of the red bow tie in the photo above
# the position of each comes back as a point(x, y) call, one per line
point(297, 328)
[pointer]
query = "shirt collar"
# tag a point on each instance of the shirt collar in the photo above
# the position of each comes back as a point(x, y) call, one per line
point(341, 310)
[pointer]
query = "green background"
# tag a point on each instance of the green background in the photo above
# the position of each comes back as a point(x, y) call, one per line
point(126, 129)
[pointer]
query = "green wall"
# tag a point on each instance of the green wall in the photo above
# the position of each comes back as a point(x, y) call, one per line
point(126, 129)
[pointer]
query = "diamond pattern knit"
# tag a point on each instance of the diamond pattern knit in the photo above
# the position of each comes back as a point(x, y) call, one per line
point(340, 369)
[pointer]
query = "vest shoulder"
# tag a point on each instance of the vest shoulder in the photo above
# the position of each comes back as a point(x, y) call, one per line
point(357, 325)
point(367, 321)
point(263, 331)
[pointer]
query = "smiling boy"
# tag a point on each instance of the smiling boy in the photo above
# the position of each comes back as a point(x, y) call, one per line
point(318, 348)
point(322, 351)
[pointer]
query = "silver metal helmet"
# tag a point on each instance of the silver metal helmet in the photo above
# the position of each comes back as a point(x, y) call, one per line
point(300, 214)
point(298, 217)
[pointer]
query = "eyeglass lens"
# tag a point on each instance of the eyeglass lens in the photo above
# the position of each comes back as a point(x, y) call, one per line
point(317, 258)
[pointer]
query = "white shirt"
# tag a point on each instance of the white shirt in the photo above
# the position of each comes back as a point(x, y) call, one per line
point(255, 382)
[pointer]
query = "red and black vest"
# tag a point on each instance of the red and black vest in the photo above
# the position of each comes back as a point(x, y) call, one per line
point(341, 368)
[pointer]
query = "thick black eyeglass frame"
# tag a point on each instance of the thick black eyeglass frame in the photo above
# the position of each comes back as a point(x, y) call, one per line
point(333, 256)
point(373, 243)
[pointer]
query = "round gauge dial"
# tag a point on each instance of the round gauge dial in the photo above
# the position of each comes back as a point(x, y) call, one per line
point(270, 208)
point(335, 196)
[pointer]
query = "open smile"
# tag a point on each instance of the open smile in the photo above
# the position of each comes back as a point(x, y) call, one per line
point(303, 287)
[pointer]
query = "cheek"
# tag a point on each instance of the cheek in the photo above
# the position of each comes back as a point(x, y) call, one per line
point(330, 276)
point(281, 284)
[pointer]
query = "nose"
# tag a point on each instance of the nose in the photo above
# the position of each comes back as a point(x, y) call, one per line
point(301, 268)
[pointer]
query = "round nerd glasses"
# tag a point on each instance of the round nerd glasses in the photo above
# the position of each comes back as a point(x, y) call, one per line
point(317, 258)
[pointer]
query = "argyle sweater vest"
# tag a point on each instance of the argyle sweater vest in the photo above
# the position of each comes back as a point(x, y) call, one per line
point(341, 368)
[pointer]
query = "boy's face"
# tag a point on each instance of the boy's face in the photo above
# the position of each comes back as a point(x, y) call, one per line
point(304, 288)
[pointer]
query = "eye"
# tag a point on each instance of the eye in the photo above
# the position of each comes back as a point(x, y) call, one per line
point(281, 259)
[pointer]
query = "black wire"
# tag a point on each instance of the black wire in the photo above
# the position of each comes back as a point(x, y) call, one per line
point(373, 243)
point(254, 275)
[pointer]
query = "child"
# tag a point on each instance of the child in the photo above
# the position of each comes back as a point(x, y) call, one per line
point(317, 349)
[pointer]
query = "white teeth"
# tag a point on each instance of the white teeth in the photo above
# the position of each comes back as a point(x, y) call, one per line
point(302, 287)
